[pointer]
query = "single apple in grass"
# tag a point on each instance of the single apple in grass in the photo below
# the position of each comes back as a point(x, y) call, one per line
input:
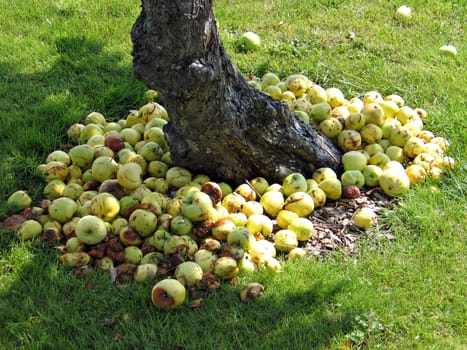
point(251, 291)
point(394, 182)
point(226, 268)
point(349, 140)
point(285, 240)
point(297, 253)
point(29, 230)
point(272, 202)
point(168, 293)
point(17, 201)
point(106, 263)
point(75, 259)
point(261, 250)
point(448, 50)
point(403, 13)
point(189, 273)
point(272, 264)
point(364, 218)
point(259, 225)
point(303, 228)
point(145, 272)
point(249, 41)
point(143, 221)
point(332, 188)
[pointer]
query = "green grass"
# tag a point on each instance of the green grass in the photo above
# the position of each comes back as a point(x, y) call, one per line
point(60, 60)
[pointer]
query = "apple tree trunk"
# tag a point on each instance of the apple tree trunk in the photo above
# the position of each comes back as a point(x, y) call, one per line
point(219, 125)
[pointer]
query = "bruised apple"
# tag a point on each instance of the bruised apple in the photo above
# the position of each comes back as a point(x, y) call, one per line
point(168, 293)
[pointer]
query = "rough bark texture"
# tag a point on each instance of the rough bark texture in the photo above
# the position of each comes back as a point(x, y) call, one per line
point(219, 125)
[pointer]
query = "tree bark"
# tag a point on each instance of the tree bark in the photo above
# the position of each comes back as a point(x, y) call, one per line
point(219, 125)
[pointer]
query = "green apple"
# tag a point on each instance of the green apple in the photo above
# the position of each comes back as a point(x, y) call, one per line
point(259, 225)
point(74, 131)
point(371, 133)
point(349, 140)
point(260, 184)
point(105, 206)
point(129, 176)
point(272, 202)
point(63, 209)
point(29, 230)
point(364, 218)
point(371, 173)
point(322, 174)
point(104, 168)
point(354, 160)
point(269, 78)
point(294, 182)
point(196, 206)
point(297, 253)
point(73, 244)
point(379, 159)
point(221, 228)
point(18, 200)
point(320, 111)
point(130, 135)
point(331, 127)
point(181, 225)
point(145, 272)
point(246, 264)
point(91, 230)
point(168, 293)
point(403, 13)
point(178, 176)
point(249, 41)
point(303, 228)
point(355, 121)
point(206, 260)
point(133, 254)
point(242, 237)
point(226, 268)
point(353, 177)
point(81, 155)
point(398, 136)
point(157, 168)
point(332, 188)
point(89, 131)
point(189, 273)
point(448, 50)
point(285, 240)
point(300, 203)
point(143, 221)
point(396, 153)
point(302, 104)
point(373, 113)
point(262, 249)
point(394, 182)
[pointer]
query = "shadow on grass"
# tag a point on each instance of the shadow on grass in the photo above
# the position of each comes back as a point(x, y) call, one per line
point(37, 108)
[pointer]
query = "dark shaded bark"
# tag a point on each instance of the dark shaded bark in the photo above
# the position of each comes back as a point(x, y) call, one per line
point(219, 125)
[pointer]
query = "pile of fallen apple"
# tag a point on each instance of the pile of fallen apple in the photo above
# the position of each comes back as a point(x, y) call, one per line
point(113, 200)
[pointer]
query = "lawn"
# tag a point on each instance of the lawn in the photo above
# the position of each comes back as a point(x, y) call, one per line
point(60, 60)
